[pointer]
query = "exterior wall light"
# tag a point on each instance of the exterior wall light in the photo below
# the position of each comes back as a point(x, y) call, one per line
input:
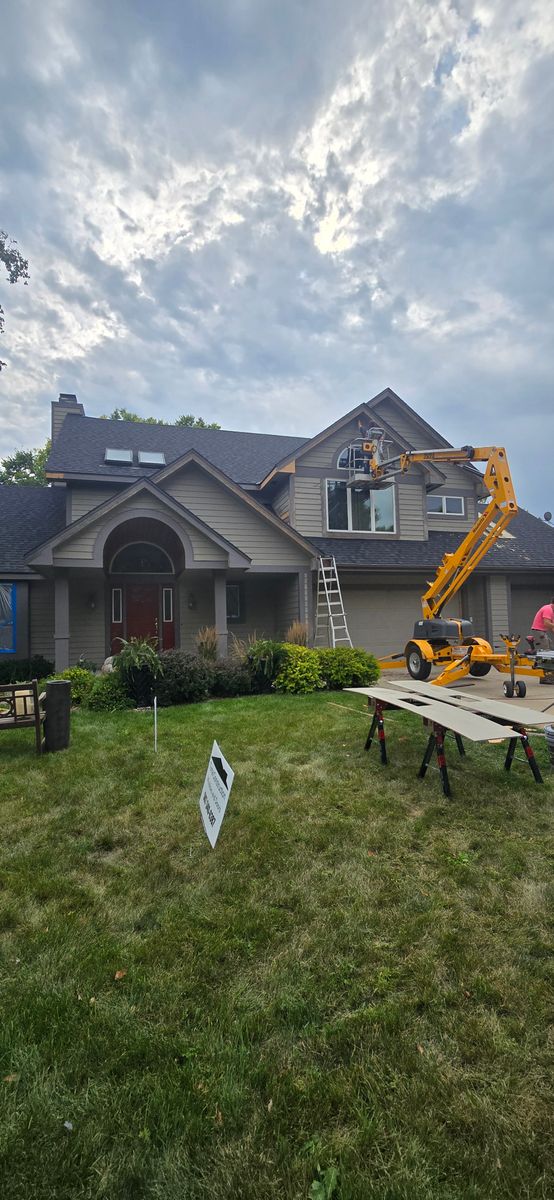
point(191, 601)
point(91, 602)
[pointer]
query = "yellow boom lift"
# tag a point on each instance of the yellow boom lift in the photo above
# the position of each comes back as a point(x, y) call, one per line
point(445, 641)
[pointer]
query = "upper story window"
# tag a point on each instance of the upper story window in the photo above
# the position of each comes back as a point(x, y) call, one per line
point(452, 506)
point(142, 558)
point(352, 457)
point(7, 618)
point(358, 509)
point(118, 456)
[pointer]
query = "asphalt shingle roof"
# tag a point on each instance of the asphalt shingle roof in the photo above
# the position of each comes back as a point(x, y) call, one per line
point(530, 548)
point(28, 516)
point(246, 457)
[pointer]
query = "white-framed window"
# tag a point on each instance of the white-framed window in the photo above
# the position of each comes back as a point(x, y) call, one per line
point(234, 602)
point(352, 457)
point(359, 509)
point(117, 606)
point(451, 506)
point(167, 604)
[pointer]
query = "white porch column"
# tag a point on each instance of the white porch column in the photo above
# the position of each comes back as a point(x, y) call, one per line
point(220, 605)
point(61, 623)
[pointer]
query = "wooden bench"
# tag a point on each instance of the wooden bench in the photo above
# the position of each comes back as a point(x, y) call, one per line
point(21, 707)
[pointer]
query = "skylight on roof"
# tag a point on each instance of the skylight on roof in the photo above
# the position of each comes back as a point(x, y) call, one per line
point(118, 456)
point(151, 458)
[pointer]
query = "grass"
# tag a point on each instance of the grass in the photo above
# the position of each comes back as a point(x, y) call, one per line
point(349, 998)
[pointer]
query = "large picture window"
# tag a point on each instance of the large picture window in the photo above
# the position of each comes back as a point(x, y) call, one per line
point(359, 509)
point(7, 618)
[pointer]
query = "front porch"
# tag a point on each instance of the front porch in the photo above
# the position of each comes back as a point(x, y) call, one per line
point(92, 611)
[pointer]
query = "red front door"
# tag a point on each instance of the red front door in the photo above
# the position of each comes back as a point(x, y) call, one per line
point(142, 610)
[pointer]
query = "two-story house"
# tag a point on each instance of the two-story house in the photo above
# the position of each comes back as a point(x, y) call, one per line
point(158, 530)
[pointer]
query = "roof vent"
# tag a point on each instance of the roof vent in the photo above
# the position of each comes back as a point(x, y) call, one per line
point(151, 458)
point(118, 456)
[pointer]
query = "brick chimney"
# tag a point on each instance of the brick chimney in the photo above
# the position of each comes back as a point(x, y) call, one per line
point(65, 405)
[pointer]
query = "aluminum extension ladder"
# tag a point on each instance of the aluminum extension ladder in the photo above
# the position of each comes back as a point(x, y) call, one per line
point(330, 626)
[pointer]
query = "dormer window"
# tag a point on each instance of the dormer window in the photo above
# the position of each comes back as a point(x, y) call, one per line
point(151, 458)
point(121, 457)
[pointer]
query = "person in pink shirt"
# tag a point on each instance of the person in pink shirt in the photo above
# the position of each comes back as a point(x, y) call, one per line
point(542, 632)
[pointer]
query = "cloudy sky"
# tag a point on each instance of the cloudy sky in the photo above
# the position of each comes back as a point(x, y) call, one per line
point(263, 212)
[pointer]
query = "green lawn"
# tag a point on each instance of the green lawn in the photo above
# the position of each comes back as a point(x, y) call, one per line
point(350, 998)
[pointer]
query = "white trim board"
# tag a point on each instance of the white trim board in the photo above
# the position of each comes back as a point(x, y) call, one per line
point(477, 704)
point(449, 716)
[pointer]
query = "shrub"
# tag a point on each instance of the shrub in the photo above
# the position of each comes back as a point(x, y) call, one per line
point(18, 670)
point(185, 679)
point(139, 666)
point(109, 693)
point(347, 667)
point(297, 633)
point(82, 683)
point(265, 659)
point(206, 642)
point(300, 670)
point(231, 678)
point(87, 664)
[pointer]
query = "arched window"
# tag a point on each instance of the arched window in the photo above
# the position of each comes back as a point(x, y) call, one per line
point(141, 558)
point(352, 457)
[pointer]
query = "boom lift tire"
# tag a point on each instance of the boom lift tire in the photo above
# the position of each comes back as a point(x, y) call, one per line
point(520, 689)
point(508, 689)
point(479, 670)
point(418, 666)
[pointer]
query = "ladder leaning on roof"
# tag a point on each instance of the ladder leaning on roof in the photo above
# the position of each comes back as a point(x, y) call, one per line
point(330, 624)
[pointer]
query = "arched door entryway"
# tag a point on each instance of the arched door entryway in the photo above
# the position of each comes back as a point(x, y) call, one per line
point(142, 559)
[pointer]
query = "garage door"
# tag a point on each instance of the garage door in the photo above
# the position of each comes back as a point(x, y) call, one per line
point(381, 619)
point(526, 601)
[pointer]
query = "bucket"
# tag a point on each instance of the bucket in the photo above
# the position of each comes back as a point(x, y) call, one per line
point(549, 734)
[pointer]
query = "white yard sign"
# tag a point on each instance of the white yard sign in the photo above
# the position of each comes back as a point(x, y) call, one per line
point(215, 794)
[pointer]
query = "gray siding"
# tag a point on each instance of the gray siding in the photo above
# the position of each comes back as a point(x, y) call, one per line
point(456, 478)
point(308, 506)
point(287, 604)
point(232, 517)
point(498, 599)
point(445, 522)
point(87, 627)
point(83, 499)
point(281, 500)
point(197, 589)
point(411, 513)
point(327, 452)
point(41, 617)
point(81, 547)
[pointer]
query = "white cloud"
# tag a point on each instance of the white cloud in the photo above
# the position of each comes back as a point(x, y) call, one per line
point(238, 219)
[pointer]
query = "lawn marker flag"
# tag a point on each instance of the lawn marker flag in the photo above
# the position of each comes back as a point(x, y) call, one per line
point(215, 794)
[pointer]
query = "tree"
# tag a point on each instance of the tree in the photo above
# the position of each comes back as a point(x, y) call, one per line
point(25, 466)
point(196, 422)
point(192, 422)
point(16, 266)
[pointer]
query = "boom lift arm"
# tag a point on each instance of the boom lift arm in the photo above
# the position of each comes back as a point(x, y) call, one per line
point(456, 567)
